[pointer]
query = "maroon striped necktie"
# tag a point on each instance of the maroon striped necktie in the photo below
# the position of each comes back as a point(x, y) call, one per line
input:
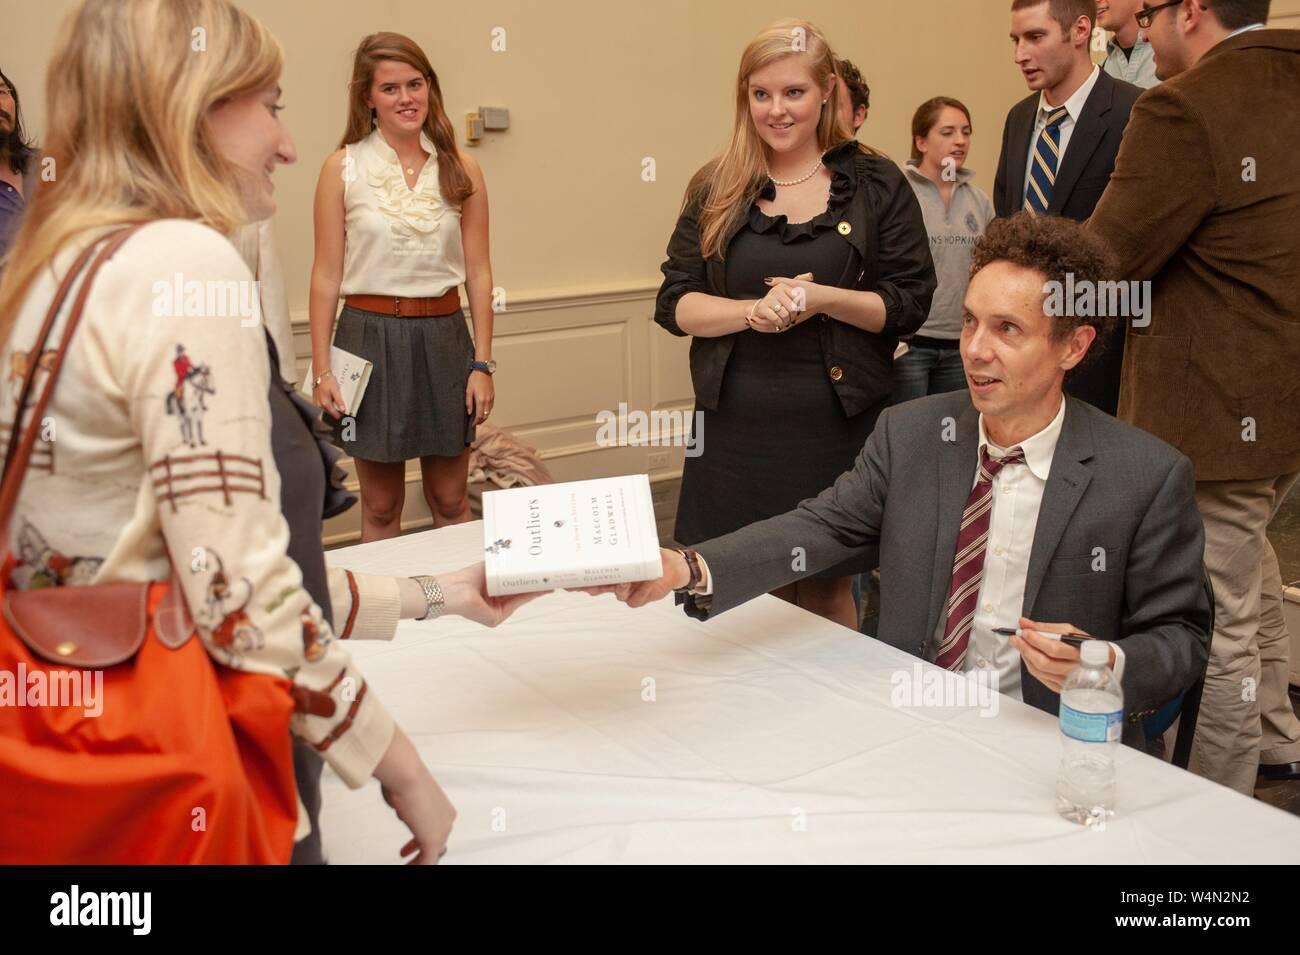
point(968, 562)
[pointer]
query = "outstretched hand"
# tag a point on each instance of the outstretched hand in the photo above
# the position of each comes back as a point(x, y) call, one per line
point(639, 593)
point(465, 593)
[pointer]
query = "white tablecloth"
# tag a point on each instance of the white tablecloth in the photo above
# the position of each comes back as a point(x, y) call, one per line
point(583, 731)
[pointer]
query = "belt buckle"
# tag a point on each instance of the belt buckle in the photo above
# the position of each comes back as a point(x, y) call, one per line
point(397, 306)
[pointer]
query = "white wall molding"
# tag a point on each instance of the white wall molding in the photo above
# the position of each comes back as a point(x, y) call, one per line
point(564, 356)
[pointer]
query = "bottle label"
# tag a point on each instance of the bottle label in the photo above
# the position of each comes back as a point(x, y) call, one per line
point(1092, 727)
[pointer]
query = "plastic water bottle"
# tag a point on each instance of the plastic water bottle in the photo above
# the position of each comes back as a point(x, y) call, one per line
point(1092, 721)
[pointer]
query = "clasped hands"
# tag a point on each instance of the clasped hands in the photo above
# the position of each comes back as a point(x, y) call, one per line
point(787, 302)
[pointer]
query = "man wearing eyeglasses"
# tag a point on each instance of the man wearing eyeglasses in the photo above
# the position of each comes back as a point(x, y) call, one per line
point(1059, 145)
point(17, 165)
point(1205, 204)
point(1129, 56)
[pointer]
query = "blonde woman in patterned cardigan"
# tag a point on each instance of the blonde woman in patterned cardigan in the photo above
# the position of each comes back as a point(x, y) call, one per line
point(148, 380)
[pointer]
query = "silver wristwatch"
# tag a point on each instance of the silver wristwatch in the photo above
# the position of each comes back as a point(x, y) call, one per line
point(433, 597)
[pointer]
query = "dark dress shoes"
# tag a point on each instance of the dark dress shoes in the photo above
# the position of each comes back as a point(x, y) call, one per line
point(1279, 770)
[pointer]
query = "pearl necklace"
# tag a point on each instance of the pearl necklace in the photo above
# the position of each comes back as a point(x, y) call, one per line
point(794, 182)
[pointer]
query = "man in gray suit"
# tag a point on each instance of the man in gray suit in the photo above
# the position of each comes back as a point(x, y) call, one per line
point(1008, 506)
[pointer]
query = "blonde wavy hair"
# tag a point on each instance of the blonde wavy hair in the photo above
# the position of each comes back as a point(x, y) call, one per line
point(127, 95)
point(725, 186)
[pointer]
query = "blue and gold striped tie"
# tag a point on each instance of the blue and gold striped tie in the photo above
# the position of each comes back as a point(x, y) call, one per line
point(1047, 157)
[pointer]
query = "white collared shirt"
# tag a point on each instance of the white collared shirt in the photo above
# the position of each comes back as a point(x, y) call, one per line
point(1074, 109)
point(1247, 29)
point(1013, 519)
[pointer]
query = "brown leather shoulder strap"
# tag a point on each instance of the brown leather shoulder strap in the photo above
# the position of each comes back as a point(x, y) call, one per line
point(34, 356)
point(20, 453)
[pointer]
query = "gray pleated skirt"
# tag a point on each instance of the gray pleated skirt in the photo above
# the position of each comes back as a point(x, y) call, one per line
point(415, 403)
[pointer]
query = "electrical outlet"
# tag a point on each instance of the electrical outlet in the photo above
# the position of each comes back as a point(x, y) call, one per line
point(657, 459)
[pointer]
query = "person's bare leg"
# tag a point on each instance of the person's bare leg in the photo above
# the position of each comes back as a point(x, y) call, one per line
point(445, 490)
point(383, 492)
point(831, 598)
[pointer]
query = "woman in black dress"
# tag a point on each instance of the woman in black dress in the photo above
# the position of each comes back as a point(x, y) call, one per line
point(798, 261)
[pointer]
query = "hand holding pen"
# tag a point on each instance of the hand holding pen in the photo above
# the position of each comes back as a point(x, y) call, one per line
point(1050, 650)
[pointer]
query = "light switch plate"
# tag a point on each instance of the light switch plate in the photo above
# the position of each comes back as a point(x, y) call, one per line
point(495, 117)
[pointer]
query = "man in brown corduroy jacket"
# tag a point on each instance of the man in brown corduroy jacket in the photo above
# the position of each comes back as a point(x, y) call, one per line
point(1205, 204)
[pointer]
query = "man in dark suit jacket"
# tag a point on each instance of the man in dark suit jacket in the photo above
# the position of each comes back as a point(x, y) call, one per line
point(1095, 530)
point(1051, 38)
point(1205, 205)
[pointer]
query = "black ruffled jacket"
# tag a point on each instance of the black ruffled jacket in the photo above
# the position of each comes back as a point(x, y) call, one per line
point(878, 216)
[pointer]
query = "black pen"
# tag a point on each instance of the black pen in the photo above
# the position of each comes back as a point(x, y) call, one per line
point(1070, 639)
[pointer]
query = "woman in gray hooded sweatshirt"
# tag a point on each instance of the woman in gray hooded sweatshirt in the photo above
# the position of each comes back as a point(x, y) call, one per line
point(956, 212)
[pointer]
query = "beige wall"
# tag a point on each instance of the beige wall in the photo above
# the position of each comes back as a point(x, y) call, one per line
point(592, 89)
point(577, 236)
point(1285, 14)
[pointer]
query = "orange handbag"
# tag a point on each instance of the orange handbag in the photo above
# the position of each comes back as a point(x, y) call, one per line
point(121, 739)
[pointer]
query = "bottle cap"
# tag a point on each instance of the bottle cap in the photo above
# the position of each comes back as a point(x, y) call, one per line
point(1095, 653)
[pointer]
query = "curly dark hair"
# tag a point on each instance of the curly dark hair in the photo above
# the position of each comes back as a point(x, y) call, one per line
point(1063, 251)
point(859, 91)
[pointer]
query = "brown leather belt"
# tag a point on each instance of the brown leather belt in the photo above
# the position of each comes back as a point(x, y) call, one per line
point(447, 303)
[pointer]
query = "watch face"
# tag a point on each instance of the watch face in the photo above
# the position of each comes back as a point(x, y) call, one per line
point(492, 367)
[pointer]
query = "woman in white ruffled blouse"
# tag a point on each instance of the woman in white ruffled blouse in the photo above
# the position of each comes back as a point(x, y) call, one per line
point(401, 223)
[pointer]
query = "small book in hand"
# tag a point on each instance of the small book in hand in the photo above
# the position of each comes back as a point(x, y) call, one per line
point(350, 371)
point(576, 534)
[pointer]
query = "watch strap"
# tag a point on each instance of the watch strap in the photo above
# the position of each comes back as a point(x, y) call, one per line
point(693, 565)
point(435, 601)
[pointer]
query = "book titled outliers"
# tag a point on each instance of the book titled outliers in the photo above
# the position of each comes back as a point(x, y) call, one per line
point(576, 534)
point(352, 374)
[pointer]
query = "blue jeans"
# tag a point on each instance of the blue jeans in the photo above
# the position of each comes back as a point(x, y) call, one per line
point(927, 371)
